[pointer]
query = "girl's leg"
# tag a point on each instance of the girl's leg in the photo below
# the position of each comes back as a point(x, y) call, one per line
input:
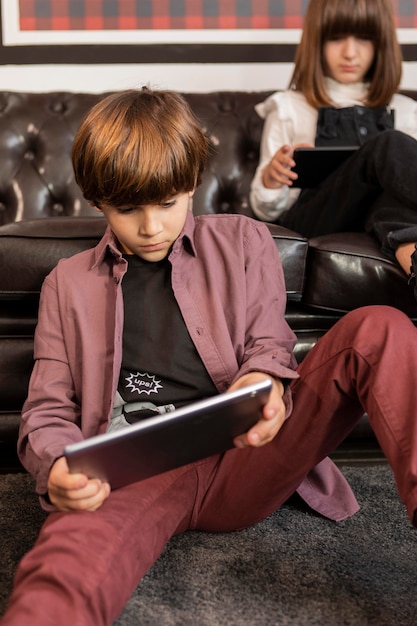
point(373, 190)
point(366, 362)
point(404, 254)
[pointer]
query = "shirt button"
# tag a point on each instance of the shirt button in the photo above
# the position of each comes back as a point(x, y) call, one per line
point(363, 131)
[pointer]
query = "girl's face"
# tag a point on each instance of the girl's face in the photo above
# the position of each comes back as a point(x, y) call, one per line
point(348, 58)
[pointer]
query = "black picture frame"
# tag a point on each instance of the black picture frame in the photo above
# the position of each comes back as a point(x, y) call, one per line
point(80, 54)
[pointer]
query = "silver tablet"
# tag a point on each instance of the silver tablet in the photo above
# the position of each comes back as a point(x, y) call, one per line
point(161, 443)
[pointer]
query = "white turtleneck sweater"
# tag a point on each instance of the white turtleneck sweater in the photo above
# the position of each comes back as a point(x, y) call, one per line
point(290, 120)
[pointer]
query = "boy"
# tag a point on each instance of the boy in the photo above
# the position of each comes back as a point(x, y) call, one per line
point(197, 306)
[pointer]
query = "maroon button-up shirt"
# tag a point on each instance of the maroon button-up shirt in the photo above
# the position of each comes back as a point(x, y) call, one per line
point(228, 281)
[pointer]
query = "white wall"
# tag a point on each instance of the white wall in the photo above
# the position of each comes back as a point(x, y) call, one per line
point(182, 77)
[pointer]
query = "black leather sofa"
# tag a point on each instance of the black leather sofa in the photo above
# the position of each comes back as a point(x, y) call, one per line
point(43, 217)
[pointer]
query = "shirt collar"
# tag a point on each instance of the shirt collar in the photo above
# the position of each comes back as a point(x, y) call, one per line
point(187, 236)
point(108, 243)
point(346, 95)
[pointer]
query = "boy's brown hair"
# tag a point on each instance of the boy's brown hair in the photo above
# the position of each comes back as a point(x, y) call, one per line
point(326, 19)
point(138, 147)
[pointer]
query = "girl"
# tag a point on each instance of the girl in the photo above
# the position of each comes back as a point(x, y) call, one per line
point(343, 92)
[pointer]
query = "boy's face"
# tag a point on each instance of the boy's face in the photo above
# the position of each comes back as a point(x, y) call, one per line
point(149, 231)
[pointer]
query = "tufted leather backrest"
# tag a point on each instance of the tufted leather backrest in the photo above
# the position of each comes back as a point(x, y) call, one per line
point(37, 181)
point(36, 134)
point(235, 130)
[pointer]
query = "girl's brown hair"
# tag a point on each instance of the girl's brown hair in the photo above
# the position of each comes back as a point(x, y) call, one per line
point(326, 19)
point(138, 147)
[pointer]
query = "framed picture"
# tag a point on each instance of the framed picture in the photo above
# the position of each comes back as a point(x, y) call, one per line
point(163, 31)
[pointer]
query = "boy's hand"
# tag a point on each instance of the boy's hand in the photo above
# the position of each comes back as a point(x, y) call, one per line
point(75, 492)
point(279, 171)
point(273, 412)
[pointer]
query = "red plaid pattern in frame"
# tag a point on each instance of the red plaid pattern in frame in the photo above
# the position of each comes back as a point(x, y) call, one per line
point(58, 15)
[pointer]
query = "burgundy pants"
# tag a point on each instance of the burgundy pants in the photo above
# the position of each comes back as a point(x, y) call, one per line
point(85, 565)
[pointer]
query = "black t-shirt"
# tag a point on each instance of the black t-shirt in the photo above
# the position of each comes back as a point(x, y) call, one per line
point(160, 363)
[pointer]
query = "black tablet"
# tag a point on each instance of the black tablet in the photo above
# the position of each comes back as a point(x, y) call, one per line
point(161, 443)
point(313, 165)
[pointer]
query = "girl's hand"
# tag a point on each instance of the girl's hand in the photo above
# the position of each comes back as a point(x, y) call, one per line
point(273, 412)
point(75, 492)
point(279, 171)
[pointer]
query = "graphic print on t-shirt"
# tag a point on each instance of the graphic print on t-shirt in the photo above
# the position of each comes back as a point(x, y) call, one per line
point(160, 363)
point(142, 383)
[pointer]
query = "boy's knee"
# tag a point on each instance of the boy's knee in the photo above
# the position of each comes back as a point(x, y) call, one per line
point(378, 318)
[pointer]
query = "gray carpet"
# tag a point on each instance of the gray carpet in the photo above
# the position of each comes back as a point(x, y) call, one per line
point(292, 569)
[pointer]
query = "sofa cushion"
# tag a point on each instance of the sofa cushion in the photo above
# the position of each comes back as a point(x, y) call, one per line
point(16, 363)
point(39, 244)
point(293, 249)
point(348, 270)
point(30, 249)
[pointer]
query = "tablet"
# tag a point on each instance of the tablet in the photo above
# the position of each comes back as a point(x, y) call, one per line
point(313, 165)
point(161, 443)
